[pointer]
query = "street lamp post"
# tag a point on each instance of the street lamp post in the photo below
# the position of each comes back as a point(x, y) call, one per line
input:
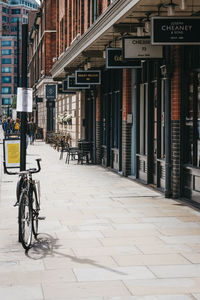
point(24, 84)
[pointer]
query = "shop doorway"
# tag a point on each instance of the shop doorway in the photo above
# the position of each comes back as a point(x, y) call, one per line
point(90, 121)
point(190, 177)
point(111, 108)
point(51, 116)
point(150, 156)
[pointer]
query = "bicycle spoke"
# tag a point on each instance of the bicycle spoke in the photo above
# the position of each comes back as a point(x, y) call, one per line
point(25, 221)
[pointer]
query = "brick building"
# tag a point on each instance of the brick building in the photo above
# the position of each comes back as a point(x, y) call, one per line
point(42, 50)
point(10, 63)
point(143, 118)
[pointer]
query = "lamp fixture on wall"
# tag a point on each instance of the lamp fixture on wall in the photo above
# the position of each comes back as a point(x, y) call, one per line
point(183, 4)
point(140, 31)
point(147, 23)
point(85, 67)
point(89, 65)
point(171, 8)
point(140, 28)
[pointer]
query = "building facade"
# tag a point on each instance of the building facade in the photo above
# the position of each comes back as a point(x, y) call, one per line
point(143, 116)
point(42, 51)
point(13, 15)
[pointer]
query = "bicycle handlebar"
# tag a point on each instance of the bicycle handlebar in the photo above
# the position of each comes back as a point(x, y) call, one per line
point(38, 165)
point(29, 170)
point(6, 170)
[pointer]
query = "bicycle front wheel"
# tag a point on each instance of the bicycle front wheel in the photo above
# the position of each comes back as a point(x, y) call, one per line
point(25, 220)
point(35, 211)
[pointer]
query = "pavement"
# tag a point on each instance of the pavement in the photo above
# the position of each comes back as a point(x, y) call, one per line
point(105, 237)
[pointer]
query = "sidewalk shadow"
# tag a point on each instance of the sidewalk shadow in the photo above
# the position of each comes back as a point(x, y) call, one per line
point(46, 246)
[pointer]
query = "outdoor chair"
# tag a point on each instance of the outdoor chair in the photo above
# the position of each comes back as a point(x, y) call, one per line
point(72, 153)
point(85, 150)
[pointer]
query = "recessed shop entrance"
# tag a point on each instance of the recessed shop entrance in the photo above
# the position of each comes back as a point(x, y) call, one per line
point(150, 149)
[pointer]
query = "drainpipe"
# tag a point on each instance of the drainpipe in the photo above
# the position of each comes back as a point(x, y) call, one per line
point(167, 95)
point(95, 10)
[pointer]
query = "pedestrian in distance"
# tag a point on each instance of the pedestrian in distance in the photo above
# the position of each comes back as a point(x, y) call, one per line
point(17, 125)
point(8, 126)
point(12, 126)
point(31, 131)
point(4, 125)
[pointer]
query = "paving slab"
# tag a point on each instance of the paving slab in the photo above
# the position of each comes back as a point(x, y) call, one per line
point(105, 237)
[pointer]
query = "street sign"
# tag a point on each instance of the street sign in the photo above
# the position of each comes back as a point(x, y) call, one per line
point(140, 48)
point(61, 89)
point(24, 99)
point(38, 100)
point(50, 92)
point(175, 30)
point(50, 104)
point(65, 88)
point(12, 152)
point(88, 77)
point(72, 85)
point(114, 60)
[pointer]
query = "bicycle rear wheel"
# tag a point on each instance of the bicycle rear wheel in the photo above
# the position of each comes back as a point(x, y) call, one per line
point(25, 220)
point(35, 212)
point(19, 188)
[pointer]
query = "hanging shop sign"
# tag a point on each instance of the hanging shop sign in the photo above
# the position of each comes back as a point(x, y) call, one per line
point(72, 84)
point(50, 104)
point(24, 99)
point(50, 92)
point(175, 30)
point(114, 60)
point(62, 88)
point(12, 153)
point(140, 48)
point(38, 100)
point(88, 77)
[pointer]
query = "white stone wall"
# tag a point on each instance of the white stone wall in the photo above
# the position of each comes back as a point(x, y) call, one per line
point(71, 104)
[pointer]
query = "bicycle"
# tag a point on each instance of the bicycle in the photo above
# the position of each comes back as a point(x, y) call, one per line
point(28, 201)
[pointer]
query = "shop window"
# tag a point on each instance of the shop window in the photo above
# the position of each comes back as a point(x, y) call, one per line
point(143, 119)
point(198, 121)
point(162, 121)
point(192, 121)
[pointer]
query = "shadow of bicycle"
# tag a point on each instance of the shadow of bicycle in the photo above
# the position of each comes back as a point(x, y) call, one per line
point(47, 246)
point(42, 247)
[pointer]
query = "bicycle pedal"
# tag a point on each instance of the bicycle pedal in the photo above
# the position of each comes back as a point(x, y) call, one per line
point(16, 204)
point(41, 218)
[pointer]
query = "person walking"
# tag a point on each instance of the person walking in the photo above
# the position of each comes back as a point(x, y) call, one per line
point(8, 126)
point(31, 131)
point(12, 126)
point(17, 125)
point(4, 125)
